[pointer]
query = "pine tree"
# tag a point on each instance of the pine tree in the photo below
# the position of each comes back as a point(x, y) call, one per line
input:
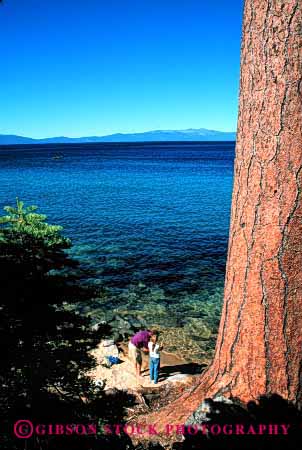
point(44, 347)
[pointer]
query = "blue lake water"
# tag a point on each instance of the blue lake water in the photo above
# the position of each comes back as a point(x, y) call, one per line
point(154, 215)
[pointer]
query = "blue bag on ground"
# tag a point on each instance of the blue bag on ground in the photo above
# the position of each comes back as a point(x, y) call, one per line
point(113, 360)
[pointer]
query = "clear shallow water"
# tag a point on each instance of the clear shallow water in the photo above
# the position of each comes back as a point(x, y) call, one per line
point(148, 215)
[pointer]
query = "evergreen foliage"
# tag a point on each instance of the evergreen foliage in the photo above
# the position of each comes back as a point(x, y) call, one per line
point(44, 348)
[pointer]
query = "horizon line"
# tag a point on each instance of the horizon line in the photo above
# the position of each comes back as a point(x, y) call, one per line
point(25, 136)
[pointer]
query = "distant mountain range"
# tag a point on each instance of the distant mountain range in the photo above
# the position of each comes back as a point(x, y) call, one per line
point(191, 134)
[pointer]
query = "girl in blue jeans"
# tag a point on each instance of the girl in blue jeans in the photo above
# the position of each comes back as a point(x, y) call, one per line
point(154, 357)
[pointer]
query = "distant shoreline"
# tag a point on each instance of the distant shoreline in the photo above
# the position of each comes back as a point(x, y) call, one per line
point(116, 143)
point(187, 135)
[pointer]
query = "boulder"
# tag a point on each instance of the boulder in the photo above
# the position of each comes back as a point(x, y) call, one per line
point(180, 377)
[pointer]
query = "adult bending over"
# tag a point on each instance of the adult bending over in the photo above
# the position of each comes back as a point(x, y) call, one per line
point(138, 344)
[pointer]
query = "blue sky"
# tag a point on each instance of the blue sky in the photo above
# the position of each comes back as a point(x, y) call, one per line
point(95, 67)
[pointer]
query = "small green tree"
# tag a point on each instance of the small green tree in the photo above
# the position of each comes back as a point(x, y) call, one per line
point(27, 239)
point(25, 220)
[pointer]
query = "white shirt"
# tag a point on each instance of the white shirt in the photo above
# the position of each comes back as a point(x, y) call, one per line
point(153, 353)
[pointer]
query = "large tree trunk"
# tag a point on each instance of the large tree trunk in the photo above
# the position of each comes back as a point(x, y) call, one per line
point(259, 347)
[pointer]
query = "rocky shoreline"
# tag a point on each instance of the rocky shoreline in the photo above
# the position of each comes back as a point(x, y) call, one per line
point(188, 322)
point(176, 340)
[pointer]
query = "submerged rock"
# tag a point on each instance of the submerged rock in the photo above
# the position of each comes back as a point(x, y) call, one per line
point(117, 337)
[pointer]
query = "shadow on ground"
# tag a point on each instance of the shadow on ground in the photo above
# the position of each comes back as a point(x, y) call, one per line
point(185, 369)
point(269, 411)
point(189, 369)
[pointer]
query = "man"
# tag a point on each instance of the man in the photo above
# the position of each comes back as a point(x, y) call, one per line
point(137, 344)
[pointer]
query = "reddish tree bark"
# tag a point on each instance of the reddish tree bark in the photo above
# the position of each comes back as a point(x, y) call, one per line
point(259, 346)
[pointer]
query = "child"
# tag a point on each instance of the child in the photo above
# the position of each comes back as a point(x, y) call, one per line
point(154, 360)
